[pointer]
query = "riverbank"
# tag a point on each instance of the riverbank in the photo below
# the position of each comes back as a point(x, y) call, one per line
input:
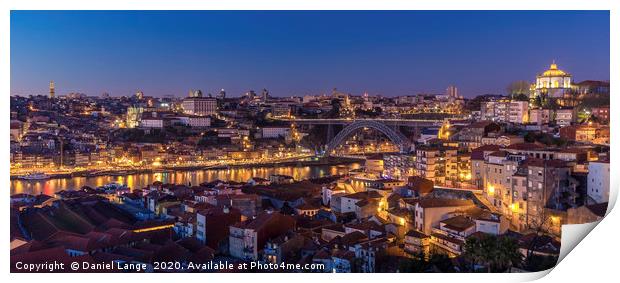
point(189, 177)
point(306, 161)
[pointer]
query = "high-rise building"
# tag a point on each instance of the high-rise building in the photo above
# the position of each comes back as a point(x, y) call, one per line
point(452, 92)
point(52, 89)
point(139, 94)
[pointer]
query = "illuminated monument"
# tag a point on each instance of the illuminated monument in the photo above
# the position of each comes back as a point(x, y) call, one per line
point(552, 83)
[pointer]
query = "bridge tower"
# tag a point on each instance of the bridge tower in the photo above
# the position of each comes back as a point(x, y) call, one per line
point(330, 133)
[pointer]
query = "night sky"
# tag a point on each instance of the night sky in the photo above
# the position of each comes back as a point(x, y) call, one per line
point(300, 52)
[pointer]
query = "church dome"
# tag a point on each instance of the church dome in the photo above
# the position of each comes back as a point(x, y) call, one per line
point(553, 71)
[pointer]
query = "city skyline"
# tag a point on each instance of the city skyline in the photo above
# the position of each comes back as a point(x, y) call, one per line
point(386, 52)
point(395, 172)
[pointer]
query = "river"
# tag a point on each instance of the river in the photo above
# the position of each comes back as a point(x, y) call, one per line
point(49, 187)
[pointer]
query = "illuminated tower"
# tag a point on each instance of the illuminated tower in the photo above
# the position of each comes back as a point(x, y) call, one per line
point(52, 90)
point(452, 92)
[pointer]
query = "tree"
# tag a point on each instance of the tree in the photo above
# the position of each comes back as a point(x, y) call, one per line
point(521, 97)
point(539, 224)
point(416, 264)
point(518, 88)
point(442, 262)
point(552, 103)
point(335, 111)
point(537, 101)
point(495, 253)
point(507, 253)
point(473, 251)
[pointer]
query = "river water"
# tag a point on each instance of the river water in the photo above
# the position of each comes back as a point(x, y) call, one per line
point(51, 186)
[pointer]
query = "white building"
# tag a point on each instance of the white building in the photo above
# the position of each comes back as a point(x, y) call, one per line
point(275, 132)
point(195, 121)
point(200, 106)
point(518, 112)
point(496, 110)
point(540, 116)
point(152, 120)
point(598, 181)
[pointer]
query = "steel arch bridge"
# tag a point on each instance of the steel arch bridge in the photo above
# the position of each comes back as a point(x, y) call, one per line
point(394, 135)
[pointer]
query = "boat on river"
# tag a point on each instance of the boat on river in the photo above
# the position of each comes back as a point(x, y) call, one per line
point(34, 176)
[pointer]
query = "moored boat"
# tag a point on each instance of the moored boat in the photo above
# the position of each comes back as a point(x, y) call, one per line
point(34, 176)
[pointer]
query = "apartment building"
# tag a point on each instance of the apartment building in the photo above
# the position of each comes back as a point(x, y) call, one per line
point(437, 163)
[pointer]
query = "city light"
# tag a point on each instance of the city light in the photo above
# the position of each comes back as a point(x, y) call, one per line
point(399, 178)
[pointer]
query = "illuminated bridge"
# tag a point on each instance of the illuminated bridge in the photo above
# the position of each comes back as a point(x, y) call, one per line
point(390, 122)
point(389, 127)
point(393, 134)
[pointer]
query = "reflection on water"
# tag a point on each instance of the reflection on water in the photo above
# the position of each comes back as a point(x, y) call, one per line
point(49, 187)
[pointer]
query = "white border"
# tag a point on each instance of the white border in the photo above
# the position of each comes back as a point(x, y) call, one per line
point(594, 258)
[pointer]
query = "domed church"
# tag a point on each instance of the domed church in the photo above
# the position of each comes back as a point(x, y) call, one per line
point(553, 82)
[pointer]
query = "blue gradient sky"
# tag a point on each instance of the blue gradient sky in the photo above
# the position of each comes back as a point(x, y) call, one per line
point(300, 52)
